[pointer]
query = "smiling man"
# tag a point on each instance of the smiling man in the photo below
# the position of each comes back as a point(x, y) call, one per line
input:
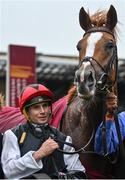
point(31, 150)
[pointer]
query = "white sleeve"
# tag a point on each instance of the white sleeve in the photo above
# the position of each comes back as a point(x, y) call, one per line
point(72, 160)
point(15, 166)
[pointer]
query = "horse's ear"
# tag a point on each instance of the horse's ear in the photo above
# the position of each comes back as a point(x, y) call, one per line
point(111, 18)
point(84, 20)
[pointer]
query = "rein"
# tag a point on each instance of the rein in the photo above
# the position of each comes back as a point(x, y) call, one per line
point(81, 150)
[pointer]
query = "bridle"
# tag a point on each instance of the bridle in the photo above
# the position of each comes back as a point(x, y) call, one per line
point(99, 29)
point(102, 83)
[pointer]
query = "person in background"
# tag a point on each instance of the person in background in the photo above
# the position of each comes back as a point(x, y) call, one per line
point(111, 132)
point(31, 150)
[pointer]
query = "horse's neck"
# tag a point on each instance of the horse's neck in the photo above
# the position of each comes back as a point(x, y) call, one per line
point(93, 115)
point(87, 106)
point(96, 109)
point(80, 119)
point(92, 109)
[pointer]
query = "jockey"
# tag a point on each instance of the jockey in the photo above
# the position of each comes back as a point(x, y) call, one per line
point(31, 150)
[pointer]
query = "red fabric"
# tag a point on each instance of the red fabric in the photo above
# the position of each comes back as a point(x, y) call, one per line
point(11, 116)
point(58, 108)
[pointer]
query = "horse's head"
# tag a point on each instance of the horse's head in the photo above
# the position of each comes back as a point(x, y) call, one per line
point(97, 53)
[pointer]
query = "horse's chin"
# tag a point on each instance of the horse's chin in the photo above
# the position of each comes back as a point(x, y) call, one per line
point(87, 97)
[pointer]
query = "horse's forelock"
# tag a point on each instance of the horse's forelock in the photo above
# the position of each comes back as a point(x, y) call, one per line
point(99, 19)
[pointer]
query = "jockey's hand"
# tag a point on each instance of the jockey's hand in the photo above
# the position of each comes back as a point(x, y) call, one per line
point(46, 149)
point(111, 102)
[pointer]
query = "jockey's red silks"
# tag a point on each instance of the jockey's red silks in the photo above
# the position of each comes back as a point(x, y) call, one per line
point(12, 116)
point(57, 111)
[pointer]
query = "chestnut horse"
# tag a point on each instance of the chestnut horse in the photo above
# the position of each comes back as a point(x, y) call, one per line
point(95, 78)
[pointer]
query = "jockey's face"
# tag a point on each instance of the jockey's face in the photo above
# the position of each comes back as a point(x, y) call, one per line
point(40, 113)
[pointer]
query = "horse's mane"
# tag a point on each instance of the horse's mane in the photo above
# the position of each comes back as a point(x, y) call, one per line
point(71, 93)
point(99, 19)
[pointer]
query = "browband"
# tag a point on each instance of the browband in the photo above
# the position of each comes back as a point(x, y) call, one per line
point(99, 29)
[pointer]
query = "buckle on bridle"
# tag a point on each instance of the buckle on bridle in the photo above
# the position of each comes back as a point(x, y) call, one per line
point(102, 82)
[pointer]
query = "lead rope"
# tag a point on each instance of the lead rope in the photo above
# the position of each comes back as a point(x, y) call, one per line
point(104, 142)
point(114, 58)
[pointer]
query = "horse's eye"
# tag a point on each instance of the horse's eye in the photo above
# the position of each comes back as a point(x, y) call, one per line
point(110, 45)
point(78, 47)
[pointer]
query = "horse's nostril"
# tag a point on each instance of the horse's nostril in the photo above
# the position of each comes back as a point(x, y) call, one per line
point(90, 80)
point(90, 77)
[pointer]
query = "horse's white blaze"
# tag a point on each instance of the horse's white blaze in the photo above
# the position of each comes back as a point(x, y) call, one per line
point(91, 42)
point(86, 64)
